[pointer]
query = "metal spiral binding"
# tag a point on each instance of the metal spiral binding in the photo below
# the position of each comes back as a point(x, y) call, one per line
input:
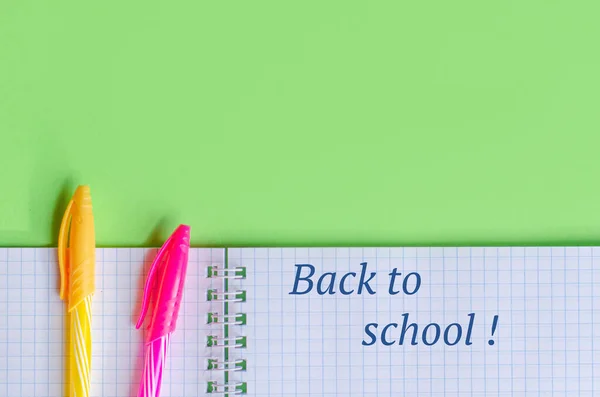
point(229, 319)
point(237, 365)
point(236, 342)
point(228, 365)
point(229, 296)
point(234, 273)
point(232, 389)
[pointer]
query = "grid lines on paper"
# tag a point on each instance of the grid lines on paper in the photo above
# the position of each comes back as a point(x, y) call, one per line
point(545, 299)
point(33, 320)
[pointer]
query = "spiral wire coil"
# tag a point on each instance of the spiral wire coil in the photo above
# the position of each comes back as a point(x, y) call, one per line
point(228, 366)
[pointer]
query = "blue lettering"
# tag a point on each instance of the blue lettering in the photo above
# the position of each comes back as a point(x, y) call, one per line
point(370, 333)
point(430, 335)
point(437, 333)
point(405, 328)
point(383, 338)
point(329, 288)
point(458, 334)
point(364, 283)
point(417, 286)
point(393, 275)
point(470, 329)
point(343, 280)
point(307, 279)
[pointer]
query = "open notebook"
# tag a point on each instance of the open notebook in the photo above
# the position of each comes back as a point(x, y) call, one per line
point(322, 322)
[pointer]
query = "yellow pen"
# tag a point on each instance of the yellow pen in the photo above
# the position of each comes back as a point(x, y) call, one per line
point(77, 259)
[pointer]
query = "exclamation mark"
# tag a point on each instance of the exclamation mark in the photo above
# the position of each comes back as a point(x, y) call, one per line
point(494, 325)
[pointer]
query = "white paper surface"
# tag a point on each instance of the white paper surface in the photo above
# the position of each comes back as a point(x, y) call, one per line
point(32, 325)
point(547, 341)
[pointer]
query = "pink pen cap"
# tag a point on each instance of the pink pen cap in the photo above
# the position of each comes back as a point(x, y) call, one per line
point(168, 271)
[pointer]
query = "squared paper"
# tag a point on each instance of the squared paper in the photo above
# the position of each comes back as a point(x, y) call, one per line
point(547, 299)
point(547, 341)
point(33, 319)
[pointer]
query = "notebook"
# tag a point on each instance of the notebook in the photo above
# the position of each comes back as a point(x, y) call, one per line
point(452, 321)
point(33, 353)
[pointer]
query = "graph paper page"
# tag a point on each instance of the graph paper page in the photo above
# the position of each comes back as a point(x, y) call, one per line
point(546, 339)
point(32, 324)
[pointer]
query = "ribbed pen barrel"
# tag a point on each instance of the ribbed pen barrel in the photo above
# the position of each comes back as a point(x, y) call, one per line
point(154, 363)
point(80, 349)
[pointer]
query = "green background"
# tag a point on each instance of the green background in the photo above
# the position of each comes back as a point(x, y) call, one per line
point(303, 122)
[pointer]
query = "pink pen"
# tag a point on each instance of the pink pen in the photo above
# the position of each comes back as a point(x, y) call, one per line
point(170, 266)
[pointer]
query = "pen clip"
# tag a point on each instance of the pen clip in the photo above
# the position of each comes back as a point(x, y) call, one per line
point(149, 279)
point(63, 259)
